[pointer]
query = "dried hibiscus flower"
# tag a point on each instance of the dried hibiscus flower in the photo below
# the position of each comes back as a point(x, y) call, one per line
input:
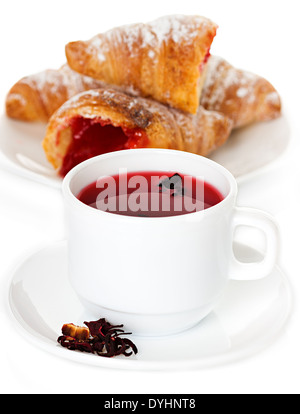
point(174, 184)
point(100, 337)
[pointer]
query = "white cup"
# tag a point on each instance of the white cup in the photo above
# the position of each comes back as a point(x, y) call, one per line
point(158, 276)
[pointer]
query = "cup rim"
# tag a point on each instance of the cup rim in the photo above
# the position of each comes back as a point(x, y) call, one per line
point(76, 203)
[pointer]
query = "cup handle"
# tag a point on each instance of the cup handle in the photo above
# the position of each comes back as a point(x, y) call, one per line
point(262, 221)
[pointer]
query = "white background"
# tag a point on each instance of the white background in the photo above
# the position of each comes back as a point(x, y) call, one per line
point(261, 36)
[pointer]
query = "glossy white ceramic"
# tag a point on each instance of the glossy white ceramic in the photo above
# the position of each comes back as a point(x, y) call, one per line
point(158, 275)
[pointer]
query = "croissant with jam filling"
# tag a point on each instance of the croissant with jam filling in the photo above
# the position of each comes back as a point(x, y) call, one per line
point(105, 120)
point(164, 60)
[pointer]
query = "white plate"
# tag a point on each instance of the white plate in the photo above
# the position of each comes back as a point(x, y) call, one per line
point(247, 150)
point(248, 318)
point(21, 151)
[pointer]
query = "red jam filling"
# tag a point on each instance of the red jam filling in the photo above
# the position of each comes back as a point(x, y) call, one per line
point(205, 60)
point(92, 137)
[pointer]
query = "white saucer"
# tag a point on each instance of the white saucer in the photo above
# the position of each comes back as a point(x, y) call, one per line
point(247, 150)
point(247, 320)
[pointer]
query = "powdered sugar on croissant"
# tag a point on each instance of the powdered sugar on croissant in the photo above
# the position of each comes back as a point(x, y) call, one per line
point(37, 97)
point(242, 96)
point(164, 59)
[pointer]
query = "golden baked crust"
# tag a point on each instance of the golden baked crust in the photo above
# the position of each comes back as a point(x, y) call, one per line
point(37, 97)
point(163, 60)
point(164, 127)
point(242, 96)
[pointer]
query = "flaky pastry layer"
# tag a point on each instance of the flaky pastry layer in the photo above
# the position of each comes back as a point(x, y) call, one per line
point(163, 127)
point(242, 96)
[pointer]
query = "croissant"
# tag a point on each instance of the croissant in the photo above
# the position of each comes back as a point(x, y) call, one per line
point(105, 120)
point(242, 96)
point(164, 60)
point(37, 97)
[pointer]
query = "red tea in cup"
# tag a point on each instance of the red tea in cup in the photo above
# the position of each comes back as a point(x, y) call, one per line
point(150, 194)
